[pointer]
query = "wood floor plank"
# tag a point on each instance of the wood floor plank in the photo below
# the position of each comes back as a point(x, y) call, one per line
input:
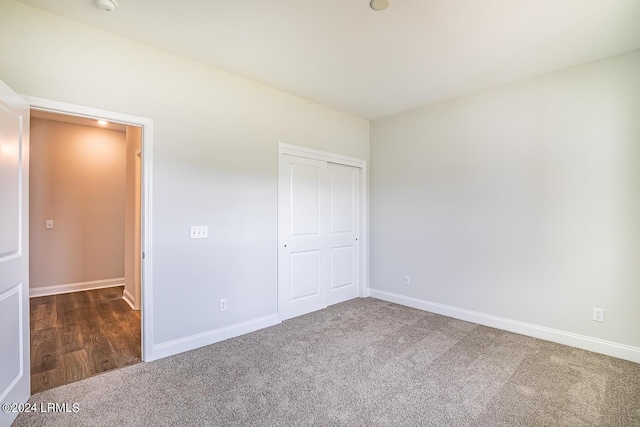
point(111, 294)
point(65, 300)
point(46, 312)
point(70, 339)
point(44, 317)
point(76, 335)
point(103, 311)
point(48, 299)
point(76, 366)
point(101, 354)
point(125, 345)
point(65, 309)
point(81, 298)
point(46, 380)
point(44, 352)
point(89, 328)
point(33, 303)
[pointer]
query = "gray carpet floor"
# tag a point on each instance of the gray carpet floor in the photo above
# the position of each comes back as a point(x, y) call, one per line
point(364, 362)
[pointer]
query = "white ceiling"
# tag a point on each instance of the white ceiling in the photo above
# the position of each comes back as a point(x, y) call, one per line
point(342, 54)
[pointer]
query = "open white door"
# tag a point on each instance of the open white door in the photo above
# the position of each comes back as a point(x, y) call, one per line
point(15, 375)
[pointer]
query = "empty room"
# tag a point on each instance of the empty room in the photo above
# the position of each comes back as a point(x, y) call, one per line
point(366, 212)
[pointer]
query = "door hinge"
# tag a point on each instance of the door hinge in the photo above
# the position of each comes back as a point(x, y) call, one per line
point(142, 255)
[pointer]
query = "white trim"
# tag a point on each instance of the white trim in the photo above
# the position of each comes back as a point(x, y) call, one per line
point(75, 287)
point(146, 246)
point(83, 111)
point(129, 299)
point(310, 153)
point(596, 345)
point(180, 345)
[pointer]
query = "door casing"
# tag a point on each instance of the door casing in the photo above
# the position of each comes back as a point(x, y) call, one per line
point(146, 176)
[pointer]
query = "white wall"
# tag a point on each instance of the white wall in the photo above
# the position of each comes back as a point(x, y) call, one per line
point(521, 202)
point(215, 157)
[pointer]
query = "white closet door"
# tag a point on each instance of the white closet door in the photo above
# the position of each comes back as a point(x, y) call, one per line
point(303, 227)
point(344, 226)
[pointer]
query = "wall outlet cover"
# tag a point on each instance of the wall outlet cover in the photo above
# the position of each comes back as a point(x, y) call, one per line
point(598, 314)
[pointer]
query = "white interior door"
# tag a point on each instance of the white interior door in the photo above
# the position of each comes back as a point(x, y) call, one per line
point(302, 255)
point(318, 232)
point(344, 226)
point(14, 251)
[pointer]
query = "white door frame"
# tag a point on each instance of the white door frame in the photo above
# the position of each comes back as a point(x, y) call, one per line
point(146, 281)
point(309, 153)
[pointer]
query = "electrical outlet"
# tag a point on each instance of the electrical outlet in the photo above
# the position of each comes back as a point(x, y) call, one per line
point(223, 304)
point(598, 314)
point(48, 224)
point(407, 281)
point(199, 231)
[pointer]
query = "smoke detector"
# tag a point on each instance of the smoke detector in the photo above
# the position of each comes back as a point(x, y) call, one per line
point(379, 4)
point(108, 5)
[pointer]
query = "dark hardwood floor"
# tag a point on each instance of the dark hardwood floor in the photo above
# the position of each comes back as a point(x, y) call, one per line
point(77, 335)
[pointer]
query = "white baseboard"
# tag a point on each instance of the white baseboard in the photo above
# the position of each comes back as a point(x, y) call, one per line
point(211, 337)
point(596, 345)
point(129, 299)
point(75, 287)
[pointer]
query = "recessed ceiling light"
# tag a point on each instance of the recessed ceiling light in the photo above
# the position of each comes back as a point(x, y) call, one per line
point(379, 4)
point(108, 5)
point(103, 122)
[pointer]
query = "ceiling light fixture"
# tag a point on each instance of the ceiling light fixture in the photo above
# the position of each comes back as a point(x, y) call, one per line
point(103, 122)
point(108, 5)
point(379, 4)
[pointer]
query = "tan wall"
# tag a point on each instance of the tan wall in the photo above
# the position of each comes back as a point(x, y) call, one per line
point(131, 286)
point(77, 180)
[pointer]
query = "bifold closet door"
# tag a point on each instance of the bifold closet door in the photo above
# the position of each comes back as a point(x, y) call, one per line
point(318, 226)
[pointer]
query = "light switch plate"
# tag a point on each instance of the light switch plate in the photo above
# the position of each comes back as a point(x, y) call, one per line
point(199, 231)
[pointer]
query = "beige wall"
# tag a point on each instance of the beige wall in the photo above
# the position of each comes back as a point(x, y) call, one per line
point(521, 201)
point(131, 285)
point(77, 179)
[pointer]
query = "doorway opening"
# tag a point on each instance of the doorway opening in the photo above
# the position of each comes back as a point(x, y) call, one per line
point(86, 252)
